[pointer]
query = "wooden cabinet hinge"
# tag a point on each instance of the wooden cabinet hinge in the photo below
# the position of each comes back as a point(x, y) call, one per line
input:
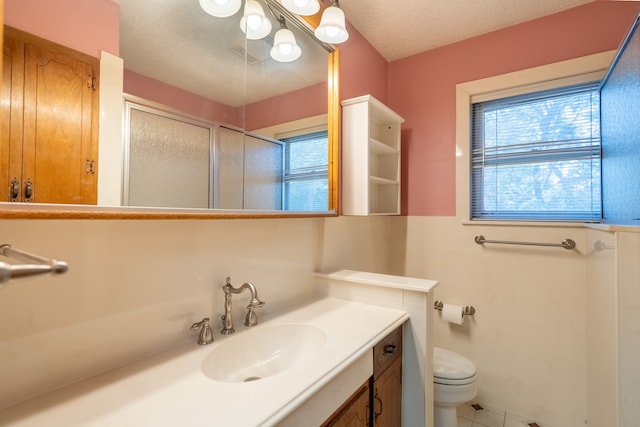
point(90, 167)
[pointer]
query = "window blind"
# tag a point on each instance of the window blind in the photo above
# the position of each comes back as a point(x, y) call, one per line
point(537, 156)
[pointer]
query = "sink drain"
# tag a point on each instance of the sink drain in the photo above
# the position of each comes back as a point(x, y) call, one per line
point(246, 380)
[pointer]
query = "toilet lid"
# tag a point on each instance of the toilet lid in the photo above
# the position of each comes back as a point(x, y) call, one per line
point(449, 365)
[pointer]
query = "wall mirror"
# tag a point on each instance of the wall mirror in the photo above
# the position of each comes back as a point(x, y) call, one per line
point(174, 43)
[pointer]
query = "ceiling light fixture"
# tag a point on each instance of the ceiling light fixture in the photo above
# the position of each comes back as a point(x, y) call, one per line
point(302, 7)
point(220, 8)
point(285, 48)
point(256, 25)
point(332, 28)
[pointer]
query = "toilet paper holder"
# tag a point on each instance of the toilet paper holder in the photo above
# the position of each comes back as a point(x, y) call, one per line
point(468, 310)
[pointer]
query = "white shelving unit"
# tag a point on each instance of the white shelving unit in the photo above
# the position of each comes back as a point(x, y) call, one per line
point(370, 157)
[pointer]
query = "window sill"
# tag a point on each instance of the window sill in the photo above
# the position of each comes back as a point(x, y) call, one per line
point(555, 224)
point(622, 226)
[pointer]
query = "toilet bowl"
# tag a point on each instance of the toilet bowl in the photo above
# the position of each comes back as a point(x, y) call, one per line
point(454, 383)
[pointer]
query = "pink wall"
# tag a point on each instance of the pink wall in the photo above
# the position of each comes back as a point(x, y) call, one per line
point(190, 103)
point(363, 71)
point(306, 102)
point(422, 88)
point(88, 26)
point(298, 104)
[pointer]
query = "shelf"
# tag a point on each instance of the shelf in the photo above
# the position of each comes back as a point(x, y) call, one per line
point(370, 158)
point(381, 148)
point(383, 213)
point(382, 181)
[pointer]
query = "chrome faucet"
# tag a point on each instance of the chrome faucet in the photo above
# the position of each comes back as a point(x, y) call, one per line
point(252, 318)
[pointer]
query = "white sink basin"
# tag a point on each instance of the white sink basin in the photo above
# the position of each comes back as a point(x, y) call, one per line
point(263, 352)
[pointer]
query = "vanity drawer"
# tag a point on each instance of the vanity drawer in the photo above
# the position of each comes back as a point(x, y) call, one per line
point(386, 351)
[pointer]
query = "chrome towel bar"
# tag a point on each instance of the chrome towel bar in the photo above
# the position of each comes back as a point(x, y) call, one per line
point(566, 243)
point(42, 265)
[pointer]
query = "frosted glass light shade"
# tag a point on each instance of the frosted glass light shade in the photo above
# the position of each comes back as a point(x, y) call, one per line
point(254, 23)
point(220, 8)
point(332, 26)
point(302, 7)
point(285, 48)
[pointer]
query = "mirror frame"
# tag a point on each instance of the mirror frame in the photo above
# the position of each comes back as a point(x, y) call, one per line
point(55, 211)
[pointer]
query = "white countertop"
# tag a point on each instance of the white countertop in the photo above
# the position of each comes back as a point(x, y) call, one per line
point(169, 389)
point(384, 280)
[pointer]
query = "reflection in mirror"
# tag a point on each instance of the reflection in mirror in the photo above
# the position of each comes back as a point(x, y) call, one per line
point(167, 160)
point(174, 161)
point(45, 157)
point(175, 56)
point(272, 99)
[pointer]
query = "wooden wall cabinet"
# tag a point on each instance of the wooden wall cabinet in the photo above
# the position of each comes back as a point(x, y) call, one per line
point(49, 109)
point(370, 157)
point(378, 403)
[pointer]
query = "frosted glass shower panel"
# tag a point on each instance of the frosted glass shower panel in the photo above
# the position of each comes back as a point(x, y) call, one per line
point(169, 162)
point(229, 169)
point(263, 174)
point(248, 172)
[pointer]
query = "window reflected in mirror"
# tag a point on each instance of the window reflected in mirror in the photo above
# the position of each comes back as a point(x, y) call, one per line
point(306, 179)
point(176, 161)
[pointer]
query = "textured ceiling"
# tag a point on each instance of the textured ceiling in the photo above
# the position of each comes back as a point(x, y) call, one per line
point(400, 28)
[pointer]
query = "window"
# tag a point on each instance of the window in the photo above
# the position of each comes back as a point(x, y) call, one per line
point(306, 179)
point(537, 156)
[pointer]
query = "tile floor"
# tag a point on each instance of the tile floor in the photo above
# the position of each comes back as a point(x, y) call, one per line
point(473, 414)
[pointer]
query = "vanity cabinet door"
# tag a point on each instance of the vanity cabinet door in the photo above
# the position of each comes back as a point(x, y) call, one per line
point(355, 413)
point(378, 403)
point(56, 95)
point(387, 396)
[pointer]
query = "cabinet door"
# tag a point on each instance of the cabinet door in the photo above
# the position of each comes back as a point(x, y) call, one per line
point(11, 116)
point(355, 413)
point(60, 127)
point(387, 396)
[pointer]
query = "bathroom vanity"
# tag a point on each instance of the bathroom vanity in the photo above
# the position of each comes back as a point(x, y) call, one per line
point(302, 365)
point(380, 397)
point(176, 387)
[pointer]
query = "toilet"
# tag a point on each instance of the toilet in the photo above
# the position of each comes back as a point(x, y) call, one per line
point(454, 383)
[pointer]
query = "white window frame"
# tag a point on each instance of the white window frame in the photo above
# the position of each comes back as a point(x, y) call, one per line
point(564, 73)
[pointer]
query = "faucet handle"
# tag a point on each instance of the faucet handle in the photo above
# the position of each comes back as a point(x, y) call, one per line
point(256, 303)
point(206, 334)
point(252, 318)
